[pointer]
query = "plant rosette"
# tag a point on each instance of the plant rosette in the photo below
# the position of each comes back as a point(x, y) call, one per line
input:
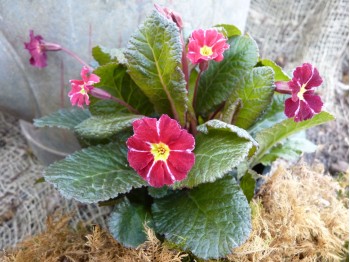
point(173, 128)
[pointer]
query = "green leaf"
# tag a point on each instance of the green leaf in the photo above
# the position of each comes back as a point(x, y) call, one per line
point(105, 126)
point(208, 220)
point(63, 118)
point(228, 30)
point(269, 137)
point(94, 174)
point(219, 148)
point(217, 83)
point(127, 223)
point(273, 115)
point(255, 90)
point(290, 149)
point(280, 75)
point(158, 192)
point(104, 55)
point(116, 81)
point(247, 184)
point(154, 62)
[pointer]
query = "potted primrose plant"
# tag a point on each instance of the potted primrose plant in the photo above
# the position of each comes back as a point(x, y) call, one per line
point(173, 128)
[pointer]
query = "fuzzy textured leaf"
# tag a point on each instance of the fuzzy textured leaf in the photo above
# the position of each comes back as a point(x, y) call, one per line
point(104, 55)
point(126, 223)
point(94, 174)
point(273, 115)
point(217, 83)
point(116, 81)
point(290, 149)
point(208, 220)
point(269, 137)
point(228, 30)
point(255, 90)
point(154, 63)
point(219, 148)
point(105, 126)
point(280, 75)
point(63, 118)
point(247, 185)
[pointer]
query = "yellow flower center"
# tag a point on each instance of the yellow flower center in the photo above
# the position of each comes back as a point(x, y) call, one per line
point(206, 51)
point(82, 91)
point(160, 151)
point(301, 92)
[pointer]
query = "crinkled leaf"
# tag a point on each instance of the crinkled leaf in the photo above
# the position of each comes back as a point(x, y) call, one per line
point(104, 55)
point(115, 80)
point(105, 126)
point(217, 83)
point(127, 223)
point(208, 220)
point(94, 174)
point(273, 115)
point(269, 137)
point(158, 192)
point(219, 148)
point(289, 149)
point(63, 118)
point(255, 90)
point(228, 30)
point(154, 63)
point(280, 75)
point(247, 185)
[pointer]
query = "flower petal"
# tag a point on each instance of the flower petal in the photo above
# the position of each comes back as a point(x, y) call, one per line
point(314, 102)
point(181, 161)
point(139, 160)
point(304, 112)
point(308, 75)
point(135, 143)
point(146, 129)
point(290, 107)
point(84, 73)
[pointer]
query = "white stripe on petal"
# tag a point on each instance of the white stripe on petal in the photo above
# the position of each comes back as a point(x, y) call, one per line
point(149, 171)
point(171, 174)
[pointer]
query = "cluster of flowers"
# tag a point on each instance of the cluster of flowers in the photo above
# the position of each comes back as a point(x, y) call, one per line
point(160, 150)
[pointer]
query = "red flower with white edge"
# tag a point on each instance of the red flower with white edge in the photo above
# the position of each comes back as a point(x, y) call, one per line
point(160, 151)
point(205, 45)
point(81, 88)
point(304, 103)
point(37, 48)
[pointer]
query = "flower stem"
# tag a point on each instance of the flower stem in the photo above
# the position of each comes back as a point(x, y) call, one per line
point(196, 88)
point(283, 88)
point(123, 103)
point(104, 95)
point(76, 57)
point(184, 60)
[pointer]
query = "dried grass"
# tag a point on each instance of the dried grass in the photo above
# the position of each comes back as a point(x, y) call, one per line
point(297, 216)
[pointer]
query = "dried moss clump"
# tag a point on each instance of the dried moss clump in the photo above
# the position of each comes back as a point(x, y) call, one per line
point(62, 243)
point(297, 216)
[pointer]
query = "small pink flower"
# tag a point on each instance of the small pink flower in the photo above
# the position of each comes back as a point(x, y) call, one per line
point(304, 103)
point(205, 45)
point(37, 48)
point(81, 88)
point(160, 151)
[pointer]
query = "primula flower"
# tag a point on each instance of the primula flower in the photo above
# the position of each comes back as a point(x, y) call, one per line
point(81, 88)
point(304, 103)
point(37, 47)
point(205, 45)
point(160, 151)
